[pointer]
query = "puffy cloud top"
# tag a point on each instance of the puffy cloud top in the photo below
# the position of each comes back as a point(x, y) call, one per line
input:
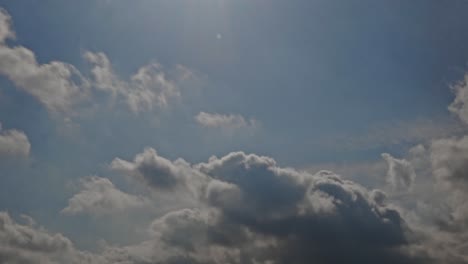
point(287, 209)
point(13, 143)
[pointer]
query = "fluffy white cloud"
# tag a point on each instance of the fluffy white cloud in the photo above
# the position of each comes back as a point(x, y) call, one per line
point(60, 86)
point(228, 122)
point(57, 85)
point(147, 89)
point(13, 144)
point(100, 196)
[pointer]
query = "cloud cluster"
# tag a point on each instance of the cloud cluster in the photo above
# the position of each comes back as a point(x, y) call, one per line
point(60, 86)
point(290, 215)
point(13, 144)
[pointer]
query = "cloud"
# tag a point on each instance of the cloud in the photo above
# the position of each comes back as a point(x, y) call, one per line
point(436, 207)
point(99, 196)
point(28, 244)
point(13, 144)
point(460, 105)
point(449, 159)
point(249, 197)
point(57, 85)
point(156, 171)
point(62, 88)
point(147, 89)
point(228, 122)
point(248, 210)
point(400, 174)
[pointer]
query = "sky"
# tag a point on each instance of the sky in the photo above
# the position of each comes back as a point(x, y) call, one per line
point(233, 131)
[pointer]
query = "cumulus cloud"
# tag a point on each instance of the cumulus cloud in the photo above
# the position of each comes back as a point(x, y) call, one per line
point(60, 86)
point(13, 144)
point(248, 197)
point(228, 122)
point(57, 85)
point(449, 159)
point(156, 171)
point(436, 206)
point(148, 87)
point(28, 244)
point(100, 196)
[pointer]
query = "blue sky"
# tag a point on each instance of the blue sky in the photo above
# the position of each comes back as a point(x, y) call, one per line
point(311, 84)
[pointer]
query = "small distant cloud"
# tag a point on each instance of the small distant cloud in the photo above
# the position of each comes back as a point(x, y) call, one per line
point(228, 122)
point(13, 144)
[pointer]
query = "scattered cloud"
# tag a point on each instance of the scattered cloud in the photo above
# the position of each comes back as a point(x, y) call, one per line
point(147, 88)
point(57, 85)
point(13, 144)
point(61, 87)
point(228, 122)
point(248, 209)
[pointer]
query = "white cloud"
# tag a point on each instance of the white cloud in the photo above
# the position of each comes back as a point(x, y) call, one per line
point(57, 85)
point(13, 143)
point(228, 122)
point(99, 196)
point(60, 86)
point(400, 174)
point(148, 87)
point(28, 244)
